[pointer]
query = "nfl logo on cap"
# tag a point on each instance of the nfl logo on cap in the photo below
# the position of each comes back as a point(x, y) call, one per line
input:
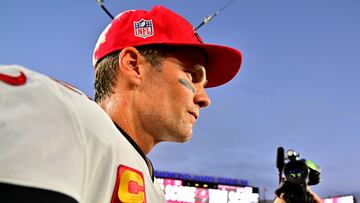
point(144, 28)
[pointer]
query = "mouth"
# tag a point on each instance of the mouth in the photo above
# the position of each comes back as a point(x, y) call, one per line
point(194, 114)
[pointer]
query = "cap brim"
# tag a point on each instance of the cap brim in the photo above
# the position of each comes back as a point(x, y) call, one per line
point(223, 64)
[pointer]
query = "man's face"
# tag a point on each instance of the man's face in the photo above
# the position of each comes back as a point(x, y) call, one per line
point(174, 95)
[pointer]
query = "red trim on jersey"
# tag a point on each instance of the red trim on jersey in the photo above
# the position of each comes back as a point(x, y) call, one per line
point(14, 80)
point(67, 85)
point(70, 87)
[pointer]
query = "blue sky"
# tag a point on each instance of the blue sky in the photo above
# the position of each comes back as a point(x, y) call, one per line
point(298, 86)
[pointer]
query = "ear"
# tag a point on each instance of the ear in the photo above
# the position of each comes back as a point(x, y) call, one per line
point(130, 65)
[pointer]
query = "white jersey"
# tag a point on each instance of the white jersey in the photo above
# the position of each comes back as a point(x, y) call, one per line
point(55, 138)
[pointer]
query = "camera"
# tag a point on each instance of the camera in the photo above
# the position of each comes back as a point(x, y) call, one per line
point(295, 175)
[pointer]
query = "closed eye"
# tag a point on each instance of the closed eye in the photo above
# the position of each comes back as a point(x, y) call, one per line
point(206, 81)
point(196, 75)
point(191, 76)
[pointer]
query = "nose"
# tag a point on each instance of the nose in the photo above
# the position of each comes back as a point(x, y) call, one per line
point(201, 97)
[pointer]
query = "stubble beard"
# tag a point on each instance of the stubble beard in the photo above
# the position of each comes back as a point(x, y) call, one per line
point(165, 129)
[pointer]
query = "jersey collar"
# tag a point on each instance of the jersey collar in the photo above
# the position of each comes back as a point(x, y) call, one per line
point(137, 148)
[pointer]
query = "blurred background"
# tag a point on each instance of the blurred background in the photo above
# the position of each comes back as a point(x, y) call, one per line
point(298, 86)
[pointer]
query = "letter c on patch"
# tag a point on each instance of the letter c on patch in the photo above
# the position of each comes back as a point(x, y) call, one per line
point(130, 186)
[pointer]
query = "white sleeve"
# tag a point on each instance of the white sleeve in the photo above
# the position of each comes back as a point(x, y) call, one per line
point(41, 144)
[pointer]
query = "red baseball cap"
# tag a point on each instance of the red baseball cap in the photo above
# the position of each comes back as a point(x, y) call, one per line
point(162, 26)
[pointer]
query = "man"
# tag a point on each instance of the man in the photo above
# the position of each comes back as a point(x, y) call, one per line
point(58, 146)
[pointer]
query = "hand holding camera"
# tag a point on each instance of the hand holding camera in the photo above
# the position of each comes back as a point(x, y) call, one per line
point(295, 176)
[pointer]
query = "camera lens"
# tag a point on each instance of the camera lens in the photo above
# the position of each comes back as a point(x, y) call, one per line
point(296, 172)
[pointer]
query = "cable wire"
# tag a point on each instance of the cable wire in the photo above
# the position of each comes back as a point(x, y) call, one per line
point(101, 4)
point(210, 17)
